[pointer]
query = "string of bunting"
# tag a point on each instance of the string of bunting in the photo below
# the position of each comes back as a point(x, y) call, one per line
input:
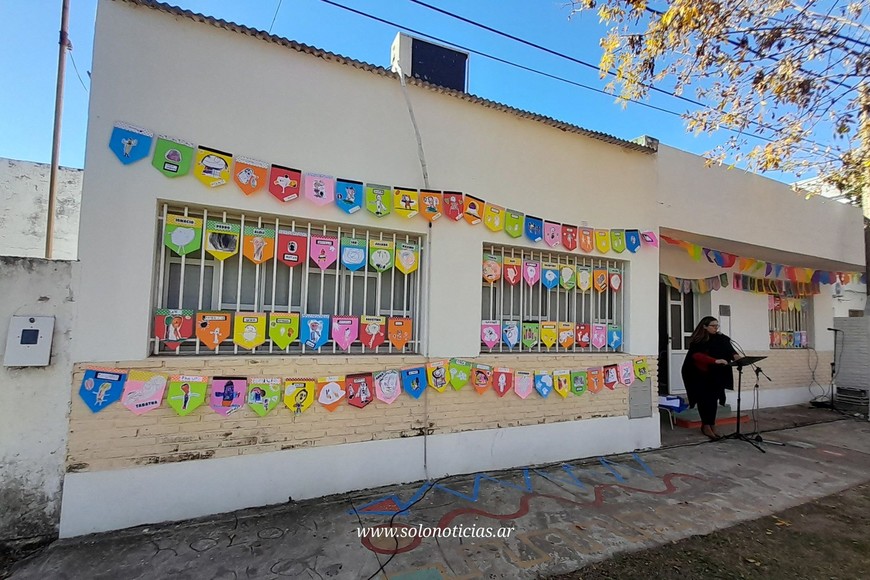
point(141, 391)
point(785, 288)
point(215, 168)
point(695, 286)
point(765, 269)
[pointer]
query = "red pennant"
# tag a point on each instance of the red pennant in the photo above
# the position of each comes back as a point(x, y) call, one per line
point(284, 182)
point(372, 331)
point(454, 207)
point(292, 247)
point(569, 237)
point(502, 381)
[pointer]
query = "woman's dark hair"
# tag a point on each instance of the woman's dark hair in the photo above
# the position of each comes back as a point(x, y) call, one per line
point(700, 334)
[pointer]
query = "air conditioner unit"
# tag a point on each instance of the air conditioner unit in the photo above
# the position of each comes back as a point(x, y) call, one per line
point(853, 401)
point(433, 63)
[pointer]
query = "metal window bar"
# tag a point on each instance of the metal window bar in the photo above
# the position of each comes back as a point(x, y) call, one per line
point(254, 290)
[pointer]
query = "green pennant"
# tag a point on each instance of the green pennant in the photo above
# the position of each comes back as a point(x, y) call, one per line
point(513, 223)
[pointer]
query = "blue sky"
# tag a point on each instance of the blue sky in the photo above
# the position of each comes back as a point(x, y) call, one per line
point(29, 33)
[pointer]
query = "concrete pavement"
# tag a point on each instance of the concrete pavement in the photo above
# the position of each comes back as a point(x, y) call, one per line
point(560, 516)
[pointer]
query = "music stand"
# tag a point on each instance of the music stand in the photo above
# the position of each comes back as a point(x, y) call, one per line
point(740, 363)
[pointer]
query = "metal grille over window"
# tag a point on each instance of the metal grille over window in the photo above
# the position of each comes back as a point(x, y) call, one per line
point(789, 321)
point(549, 302)
point(230, 283)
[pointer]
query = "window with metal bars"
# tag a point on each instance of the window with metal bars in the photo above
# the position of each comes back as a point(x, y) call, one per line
point(197, 282)
point(789, 321)
point(585, 298)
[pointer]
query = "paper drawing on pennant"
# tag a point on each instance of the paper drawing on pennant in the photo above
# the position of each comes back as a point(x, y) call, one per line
point(490, 331)
point(186, 393)
point(566, 334)
point(387, 386)
point(510, 333)
point(319, 189)
point(263, 395)
point(182, 234)
point(129, 143)
point(531, 272)
point(530, 334)
point(460, 372)
point(599, 335)
point(626, 373)
point(314, 330)
point(323, 251)
point(212, 328)
point(406, 202)
point(491, 268)
point(227, 395)
point(172, 327)
point(249, 174)
point(431, 202)
point(249, 329)
point(143, 391)
point(414, 381)
point(453, 205)
point(172, 157)
point(569, 237)
point(512, 270)
point(524, 383)
point(552, 234)
point(285, 183)
point(345, 331)
point(283, 328)
point(473, 209)
point(632, 240)
point(436, 372)
point(578, 382)
point(373, 331)
point(360, 389)
point(298, 394)
point(292, 247)
point(584, 335)
point(379, 199)
point(610, 376)
point(407, 257)
point(349, 195)
point(534, 228)
point(614, 337)
point(481, 376)
point(399, 331)
point(543, 383)
point(330, 392)
point(562, 382)
point(212, 167)
point(594, 379)
point(502, 381)
point(641, 369)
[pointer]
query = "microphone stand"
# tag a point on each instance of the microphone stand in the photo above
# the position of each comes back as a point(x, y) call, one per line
point(757, 435)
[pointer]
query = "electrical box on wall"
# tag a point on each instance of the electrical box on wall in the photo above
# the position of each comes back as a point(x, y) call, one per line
point(29, 341)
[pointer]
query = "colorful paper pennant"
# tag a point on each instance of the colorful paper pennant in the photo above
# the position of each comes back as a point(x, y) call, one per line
point(182, 234)
point(186, 392)
point(530, 334)
point(436, 372)
point(602, 241)
point(143, 391)
point(414, 381)
point(292, 247)
point(454, 207)
point(330, 392)
point(531, 272)
point(649, 239)
point(594, 379)
point(615, 278)
point(617, 240)
point(584, 278)
point(549, 275)
point(284, 182)
point(222, 239)
point(587, 239)
point(372, 331)
point(130, 143)
point(614, 337)
point(502, 381)
point(323, 250)
point(552, 234)
point(345, 331)
point(544, 383)
point(258, 244)
point(534, 228)
point(493, 217)
point(562, 382)
point(387, 386)
point(314, 330)
point(283, 328)
point(299, 394)
point(264, 394)
point(212, 328)
point(360, 389)
point(549, 333)
point(491, 268)
point(632, 240)
point(599, 335)
point(227, 395)
point(569, 237)
point(599, 279)
point(399, 331)
point(379, 199)
point(512, 270)
point(566, 334)
point(626, 373)
point(490, 333)
point(567, 276)
point(510, 333)
point(481, 377)
point(641, 369)
point(578, 382)
point(212, 167)
point(349, 195)
point(460, 372)
point(430, 204)
point(381, 254)
point(583, 337)
point(611, 376)
point(524, 383)
point(406, 202)
point(407, 257)
point(514, 222)
point(318, 189)
point(473, 209)
point(172, 327)
point(172, 157)
point(249, 329)
point(250, 175)
point(353, 253)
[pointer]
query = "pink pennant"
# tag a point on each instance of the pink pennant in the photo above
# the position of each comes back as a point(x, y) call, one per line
point(599, 335)
point(345, 331)
point(490, 332)
point(626, 373)
point(323, 251)
point(553, 234)
point(649, 239)
point(531, 272)
point(319, 189)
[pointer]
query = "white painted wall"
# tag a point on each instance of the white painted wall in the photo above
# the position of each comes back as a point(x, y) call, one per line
point(736, 205)
point(24, 209)
point(322, 116)
point(270, 478)
point(34, 413)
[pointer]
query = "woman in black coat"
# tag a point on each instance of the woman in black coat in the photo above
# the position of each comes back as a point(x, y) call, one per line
point(705, 372)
